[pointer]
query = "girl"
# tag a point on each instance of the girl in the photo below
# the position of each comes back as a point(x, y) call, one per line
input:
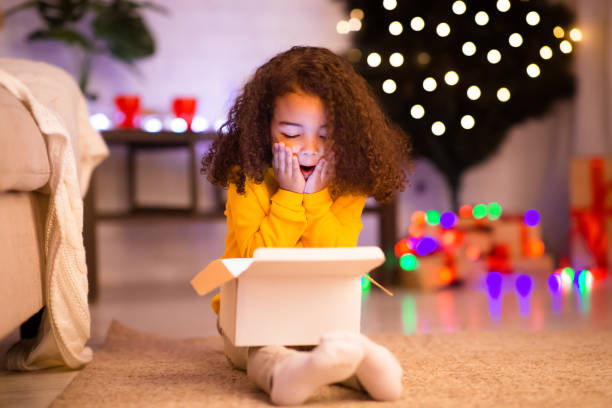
point(304, 144)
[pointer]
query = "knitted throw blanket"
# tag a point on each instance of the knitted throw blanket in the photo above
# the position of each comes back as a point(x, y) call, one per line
point(66, 322)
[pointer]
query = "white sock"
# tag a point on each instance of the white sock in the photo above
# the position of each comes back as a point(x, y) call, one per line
point(335, 359)
point(379, 372)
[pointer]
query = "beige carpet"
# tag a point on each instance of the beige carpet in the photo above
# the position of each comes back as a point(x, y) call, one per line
point(441, 370)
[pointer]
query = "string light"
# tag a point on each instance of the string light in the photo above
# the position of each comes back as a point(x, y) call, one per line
point(566, 47)
point(354, 55)
point(438, 128)
point(100, 121)
point(199, 124)
point(178, 125)
point(473, 92)
point(546, 52)
point(469, 48)
point(417, 111)
point(354, 24)
point(532, 18)
point(396, 28)
point(503, 5)
point(459, 7)
point(374, 59)
point(531, 218)
point(357, 13)
point(515, 40)
point(479, 211)
point(417, 24)
point(343, 27)
point(575, 34)
point(423, 58)
point(389, 4)
point(503, 94)
point(451, 78)
point(443, 30)
point(558, 32)
point(430, 84)
point(396, 59)
point(533, 70)
point(494, 56)
point(467, 122)
point(389, 86)
point(481, 18)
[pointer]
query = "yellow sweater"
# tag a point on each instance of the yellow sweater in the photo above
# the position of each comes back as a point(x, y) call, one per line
point(271, 217)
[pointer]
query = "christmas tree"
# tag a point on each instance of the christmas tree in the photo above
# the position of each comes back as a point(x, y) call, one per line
point(456, 75)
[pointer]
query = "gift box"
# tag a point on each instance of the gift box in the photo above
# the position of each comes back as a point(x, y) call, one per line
point(591, 214)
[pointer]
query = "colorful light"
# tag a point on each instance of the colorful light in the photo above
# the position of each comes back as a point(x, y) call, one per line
point(479, 211)
point(409, 262)
point(523, 284)
point(426, 245)
point(554, 283)
point(515, 40)
point(584, 280)
point(343, 27)
point(443, 30)
point(417, 24)
point(389, 86)
point(472, 252)
point(419, 217)
point(468, 122)
point(503, 5)
point(473, 92)
point(495, 211)
point(558, 32)
point(546, 52)
point(531, 218)
point(465, 211)
point(389, 4)
point(401, 248)
point(448, 220)
point(459, 7)
point(469, 48)
point(494, 284)
point(481, 18)
point(365, 284)
point(446, 275)
point(438, 128)
point(417, 111)
point(357, 13)
point(432, 217)
point(535, 248)
point(567, 277)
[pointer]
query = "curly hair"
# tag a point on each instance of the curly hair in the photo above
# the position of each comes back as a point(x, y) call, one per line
point(370, 152)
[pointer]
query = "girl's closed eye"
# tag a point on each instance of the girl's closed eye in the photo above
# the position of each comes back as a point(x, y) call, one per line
point(290, 136)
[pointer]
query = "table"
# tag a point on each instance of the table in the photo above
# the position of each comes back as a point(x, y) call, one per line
point(137, 139)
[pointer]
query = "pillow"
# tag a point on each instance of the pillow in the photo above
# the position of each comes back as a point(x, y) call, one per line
point(24, 163)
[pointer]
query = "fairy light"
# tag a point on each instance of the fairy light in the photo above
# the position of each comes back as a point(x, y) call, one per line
point(100, 121)
point(566, 47)
point(473, 92)
point(354, 24)
point(199, 124)
point(357, 13)
point(494, 56)
point(417, 24)
point(467, 122)
point(178, 125)
point(430, 84)
point(409, 262)
point(515, 40)
point(451, 78)
point(479, 211)
point(343, 27)
point(438, 128)
point(354, 55)
point(396, 59)
point(495, 211)
point(503, 94)
point(443, 30)
point(533, 70)
point(432, 217)
point(503, 5)
point(558, 32)
point(389, 86)
point(423, 58)
point(546, 52)
point(575, 34)
point(459, 7)
point(469, 48)
point(532, 18)
point(389, 4)
point(396, 28)
point(481, 18)
point(374, 59)
point(417, 111)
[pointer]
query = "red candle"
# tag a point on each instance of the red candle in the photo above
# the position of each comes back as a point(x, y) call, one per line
point(184, 108)
point(128, 107)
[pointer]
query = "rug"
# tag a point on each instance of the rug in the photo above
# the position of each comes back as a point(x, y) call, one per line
point(509, 369)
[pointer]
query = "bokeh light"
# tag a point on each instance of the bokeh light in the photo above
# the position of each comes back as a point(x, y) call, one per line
point(417, 24)
point(472, 252)
point(546, 52)
point(432, 217)
point(389, 4)
point(396, 28)
point(465, 211)
point(479, 211)
point(443, 30)
point(446, 275)
point(365, 284)
point(533, 70)
point(100, 122)
point(532, 18)
point(448, 219)
point(523, 284)
point(430, 84)
point(426, 245)
point(566, 47)
point(459, 7)
point(503, 5)
point(494, 210)
point(494, 56)
point(451, 78)
point(473, 92)
point(199, 124)
point(354, 24)
point(152, 124)
point(343, 27)
point(419, 217)
point(558, 32)
point(494, 284)
point(469, 48)
point(417, 111)
point(515, 40)
point(438, 128)
point(503, 94)
point(374, 59)
point(531, 218)
point(535, 248)
point(467, 122)
point(401, 247)
point(554, 283)
point(481, 18)
point(178, 125)
point(389, 86)
point(449, 237)
point(357, 13)
point(396, 59)
point(575, 34)
point(409, 262)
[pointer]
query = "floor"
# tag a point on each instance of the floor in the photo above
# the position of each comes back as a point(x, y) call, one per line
point(145, 269)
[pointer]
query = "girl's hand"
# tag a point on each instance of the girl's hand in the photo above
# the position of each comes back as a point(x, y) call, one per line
point(319, 178)
point(287, 169)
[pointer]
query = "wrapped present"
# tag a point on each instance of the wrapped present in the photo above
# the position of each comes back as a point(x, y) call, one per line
point(518, 239)
point(591, 214)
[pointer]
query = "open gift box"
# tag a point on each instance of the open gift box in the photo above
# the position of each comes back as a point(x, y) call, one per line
point(289, 296)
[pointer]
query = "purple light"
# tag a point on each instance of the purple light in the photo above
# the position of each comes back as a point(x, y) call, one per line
point(532, 218)
point(494, 284)
point(413, 242)
point(554, 283)
point(448, 220)
point(523, 285)
point(426, 245)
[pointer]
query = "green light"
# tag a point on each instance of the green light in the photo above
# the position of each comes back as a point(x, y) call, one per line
point(495, 211)
point(409, 314)
point(569, 272)
point(479, 211)
point(433, 217)
point(365, 285)
point(409, 262)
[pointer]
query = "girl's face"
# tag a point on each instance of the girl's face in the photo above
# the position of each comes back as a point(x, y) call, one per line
point(299, 123)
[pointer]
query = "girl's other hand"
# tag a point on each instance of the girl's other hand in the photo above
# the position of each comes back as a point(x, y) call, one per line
point(319, 178)
point(287, 169)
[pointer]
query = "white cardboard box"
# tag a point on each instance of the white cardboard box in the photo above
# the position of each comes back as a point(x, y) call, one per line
point(289, 296)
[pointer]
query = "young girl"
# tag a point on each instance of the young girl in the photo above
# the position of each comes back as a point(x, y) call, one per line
point(303, 146)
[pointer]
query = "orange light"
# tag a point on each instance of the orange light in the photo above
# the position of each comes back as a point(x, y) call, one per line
point(446, 275)
point(416, 230)
point(401, 248)
point(472, 252)
point(419, 217)
point(449, 237)
point(535, 248)
point(465, 211)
